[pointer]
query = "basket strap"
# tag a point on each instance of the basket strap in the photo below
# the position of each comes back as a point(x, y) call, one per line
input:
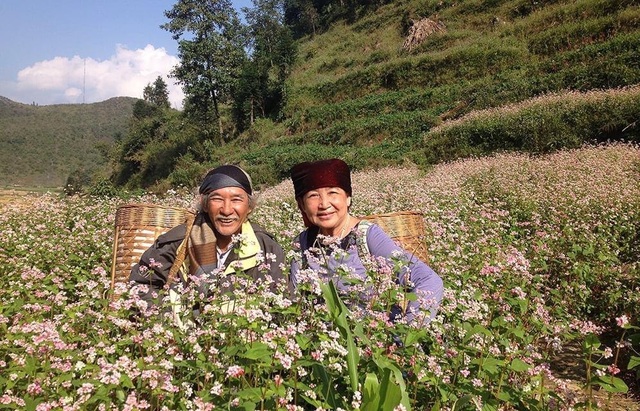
point(181, 252)
point(361, 239)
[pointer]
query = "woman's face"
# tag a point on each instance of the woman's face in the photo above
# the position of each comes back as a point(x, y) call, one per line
point(328, 208)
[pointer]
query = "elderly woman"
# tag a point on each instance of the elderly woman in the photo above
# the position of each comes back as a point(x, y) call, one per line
point(330, 244)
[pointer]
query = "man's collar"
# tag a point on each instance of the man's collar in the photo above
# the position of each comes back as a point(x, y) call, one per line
point(246, 251)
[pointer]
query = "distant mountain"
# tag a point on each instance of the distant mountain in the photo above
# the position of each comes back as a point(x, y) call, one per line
point(41, 145)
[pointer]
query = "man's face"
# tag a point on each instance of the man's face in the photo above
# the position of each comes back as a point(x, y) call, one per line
point(228, 208)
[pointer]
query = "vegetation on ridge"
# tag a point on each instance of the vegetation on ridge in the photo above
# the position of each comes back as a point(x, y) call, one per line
point(43, 145)
point(354, 91)
point(346, 87)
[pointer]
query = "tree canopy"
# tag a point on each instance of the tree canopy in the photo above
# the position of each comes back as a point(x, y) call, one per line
point(211, 48)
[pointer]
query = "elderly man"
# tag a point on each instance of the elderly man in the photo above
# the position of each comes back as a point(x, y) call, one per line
point(221, 240)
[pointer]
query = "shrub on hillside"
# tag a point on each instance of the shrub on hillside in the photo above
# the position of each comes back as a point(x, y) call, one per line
point(77, 182)
point(539, 125)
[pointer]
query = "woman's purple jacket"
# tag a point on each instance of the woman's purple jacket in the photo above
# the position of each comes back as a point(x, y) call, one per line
point(327, 260)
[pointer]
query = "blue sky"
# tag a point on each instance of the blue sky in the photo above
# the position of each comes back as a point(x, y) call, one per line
point(75, 51)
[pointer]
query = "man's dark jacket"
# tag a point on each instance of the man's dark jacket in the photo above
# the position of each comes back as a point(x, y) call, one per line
point(164, 250)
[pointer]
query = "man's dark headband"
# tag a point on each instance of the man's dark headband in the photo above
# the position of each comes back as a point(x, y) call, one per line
point(226, 176)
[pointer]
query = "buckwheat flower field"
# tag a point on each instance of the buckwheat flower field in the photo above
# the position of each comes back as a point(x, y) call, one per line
point(538, 254)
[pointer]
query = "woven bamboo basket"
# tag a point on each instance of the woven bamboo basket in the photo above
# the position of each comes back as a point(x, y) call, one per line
point(406, 228)
point(138, 225)
point(136, 228)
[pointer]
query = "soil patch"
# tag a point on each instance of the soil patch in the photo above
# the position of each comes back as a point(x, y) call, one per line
point(569, 365)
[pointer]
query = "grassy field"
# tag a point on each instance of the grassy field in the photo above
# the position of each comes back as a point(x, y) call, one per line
point(528, 248)
point(21, 194)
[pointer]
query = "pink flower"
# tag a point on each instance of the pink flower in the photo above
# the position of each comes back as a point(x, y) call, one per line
point(235, 371)
point(622, 321)
point(154, 264)
point(285, 360)
point(278, 380)
point(34, 388)
point(203, 406)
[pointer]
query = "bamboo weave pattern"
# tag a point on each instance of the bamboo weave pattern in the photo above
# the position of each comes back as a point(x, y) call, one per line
point(138, 225)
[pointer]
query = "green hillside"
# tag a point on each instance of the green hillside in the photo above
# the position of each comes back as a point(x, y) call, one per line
point(356, 92)
point(404, 82)
point(42, 145)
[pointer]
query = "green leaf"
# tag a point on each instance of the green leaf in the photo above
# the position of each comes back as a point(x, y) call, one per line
point(489, 364)
point(518, 332)
point(591, 341)
point(612, 384)
point(498, 321)
point(30, 404)
point(31, 365)
point(445, 394)
point(249, 406)
point(100, 395)
point(353, 357)
point(487, 405)
point(390, 393)
point(414, 336)
point(338, 311)
point(279, 390)
point(326, 383)
point(477, 329)
point(371, 393)
point(634, 339)
point(358, 331)
point(519, 365)
point(125, 381)
point(252, 393)
point(258, 350)
point(465, 400)
point(385, 365)
point(633, 362)
point(232, 350)
point(461, 402)
point(596, 365)
point(411, 296)
point(303, 341)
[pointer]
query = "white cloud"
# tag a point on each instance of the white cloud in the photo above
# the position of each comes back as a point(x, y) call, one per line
point(63, 79)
